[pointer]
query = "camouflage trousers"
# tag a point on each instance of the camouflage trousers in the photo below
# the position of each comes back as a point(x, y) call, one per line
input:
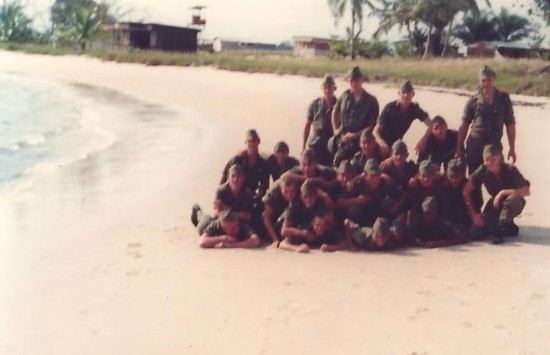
point(511, 207)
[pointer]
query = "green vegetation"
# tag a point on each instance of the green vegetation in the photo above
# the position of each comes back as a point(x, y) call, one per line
point(516, 76)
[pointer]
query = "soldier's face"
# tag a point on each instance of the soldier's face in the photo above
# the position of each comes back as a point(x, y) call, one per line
point(427, 180)
point(308, 168)
point(319, 226)
point(492, 162)
point(328, 90)
point(309, 201)
point(456, 180)
point(281, 157)
point(356, 84)
point(368, 147)
point(373, 180)
point(252, 144)
point(399, 158)
point(236, 181)
point(406, 97)
point(439, 131)
point(487, 82)
point(289, 193)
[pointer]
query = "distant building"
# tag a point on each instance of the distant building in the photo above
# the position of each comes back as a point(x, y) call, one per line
point(153, 36)
point(499, 50)
point(310, 47)
point(222, 44)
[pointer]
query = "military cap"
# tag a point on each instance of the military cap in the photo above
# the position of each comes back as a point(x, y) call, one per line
point(381, 226)
point(486, 72)
point(345, 168)
point(309, 188)
point(455, 168)
point(429, 205)
point(399, 147)
point(372, 167)
point(491, 150)
point(427, 168)
point(366, 136)
point(354, 74)
point(236, 169)
point(438, 120)
point(407, 87)
point(251, 134)
point(328, 80)
point(281, 147)
point(309, 156)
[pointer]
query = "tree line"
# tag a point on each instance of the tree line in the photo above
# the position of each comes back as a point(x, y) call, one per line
point(72, 22)
point(430, 25)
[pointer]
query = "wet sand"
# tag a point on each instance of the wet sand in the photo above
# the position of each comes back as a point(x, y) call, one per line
point(98, 257)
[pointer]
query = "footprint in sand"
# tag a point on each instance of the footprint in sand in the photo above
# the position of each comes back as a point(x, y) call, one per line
point(537, 296)
point(417, 312)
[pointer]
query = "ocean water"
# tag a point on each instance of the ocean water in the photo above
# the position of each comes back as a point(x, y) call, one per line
point(44, 123)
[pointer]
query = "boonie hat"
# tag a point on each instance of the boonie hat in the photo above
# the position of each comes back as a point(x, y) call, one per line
point(366, 136)
point(309, 188)
point(345, 168)
point(381, 226)
point(308, 155)
point(236, 169)
point(328, 80)
point(251, 134)
point(281, 147)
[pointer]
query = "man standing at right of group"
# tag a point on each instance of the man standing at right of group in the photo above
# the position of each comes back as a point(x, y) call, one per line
point(486, 113)
point(355, 111)
point(318, 127)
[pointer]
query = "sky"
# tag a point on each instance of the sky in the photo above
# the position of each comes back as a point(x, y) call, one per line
point(271, 21)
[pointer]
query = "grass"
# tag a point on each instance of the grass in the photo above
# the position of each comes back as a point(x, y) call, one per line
point(521, 76)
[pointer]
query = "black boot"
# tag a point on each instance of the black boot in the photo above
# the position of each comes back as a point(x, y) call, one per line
point(195, 210)
point(498, 237)
point(510, 229)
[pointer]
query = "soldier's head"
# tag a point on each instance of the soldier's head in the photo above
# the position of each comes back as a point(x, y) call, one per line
point(308, 193)
point(487, 77)
point(319, 224)
point(399, 153)
point(355, 78)
point(229, 223)
point(439, 128)
point(406, 93)
point(288, 188)
point(281, 152)
point(345, 171)
point(381, 232)
point(308, 162)
point(456, 172)
point(373, 173)
point(252, 141)
point(236, 177)
point(427, 172)
point(368, 144)
point(329, 86)
point(492, 158)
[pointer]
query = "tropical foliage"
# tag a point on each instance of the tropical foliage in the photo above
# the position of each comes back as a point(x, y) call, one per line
point(15, 26)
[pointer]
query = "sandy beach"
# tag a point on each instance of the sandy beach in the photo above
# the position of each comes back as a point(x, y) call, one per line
point(99, 256)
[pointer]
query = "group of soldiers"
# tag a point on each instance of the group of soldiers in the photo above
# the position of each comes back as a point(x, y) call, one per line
point(354, 186)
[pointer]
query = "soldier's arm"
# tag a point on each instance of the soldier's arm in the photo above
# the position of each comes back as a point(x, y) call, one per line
point(336, 120)
point(377, 133)
point(511, 134)
point(268, 223)
point(462, 131)
point(476, 217)
point(421, 145)
point(307, 127)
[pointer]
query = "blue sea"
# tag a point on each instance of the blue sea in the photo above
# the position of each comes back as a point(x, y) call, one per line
point(44, 123)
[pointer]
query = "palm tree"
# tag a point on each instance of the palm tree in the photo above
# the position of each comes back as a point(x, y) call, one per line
point(14, 25)
point(512, 27)
point(85, 24)
point(338, 9)
point(477, 28)
point(396, 13)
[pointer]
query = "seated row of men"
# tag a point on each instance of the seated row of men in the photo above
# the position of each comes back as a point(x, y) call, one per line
point(362, 203)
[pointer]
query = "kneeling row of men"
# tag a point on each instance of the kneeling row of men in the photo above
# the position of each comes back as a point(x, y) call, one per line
point(383, 207)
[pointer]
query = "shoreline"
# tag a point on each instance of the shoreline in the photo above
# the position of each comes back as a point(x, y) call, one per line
point(131, 278)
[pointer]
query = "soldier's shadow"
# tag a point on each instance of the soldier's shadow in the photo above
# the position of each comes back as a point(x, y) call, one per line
point(531, 235)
